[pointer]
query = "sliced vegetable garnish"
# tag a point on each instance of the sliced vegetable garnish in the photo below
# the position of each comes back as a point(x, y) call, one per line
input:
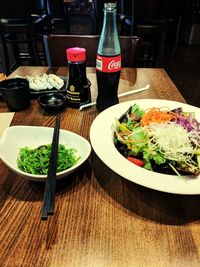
point(136, 161)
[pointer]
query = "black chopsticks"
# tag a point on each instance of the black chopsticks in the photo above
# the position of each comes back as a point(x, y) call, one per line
point(50, 186)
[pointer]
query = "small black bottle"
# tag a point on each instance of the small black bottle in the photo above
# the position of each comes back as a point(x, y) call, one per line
point(78, 87)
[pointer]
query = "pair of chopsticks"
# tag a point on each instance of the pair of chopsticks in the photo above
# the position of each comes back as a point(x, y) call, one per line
point(134, 91)
point(50, 186)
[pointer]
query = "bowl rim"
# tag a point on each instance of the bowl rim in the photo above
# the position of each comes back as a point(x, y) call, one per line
point(12, 79)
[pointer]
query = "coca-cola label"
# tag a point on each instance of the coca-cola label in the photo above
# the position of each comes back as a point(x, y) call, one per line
point(108, 64)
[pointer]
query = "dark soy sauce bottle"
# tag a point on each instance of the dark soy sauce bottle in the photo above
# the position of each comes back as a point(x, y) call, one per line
point(78, 87)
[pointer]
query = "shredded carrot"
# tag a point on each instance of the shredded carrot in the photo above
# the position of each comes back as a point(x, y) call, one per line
point(156, 115)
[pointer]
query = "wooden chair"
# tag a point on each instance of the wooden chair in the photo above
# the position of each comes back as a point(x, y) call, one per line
point(56, 45)
point(82, 17)
point(22, 24)
point(58, 17)
point(151, 21)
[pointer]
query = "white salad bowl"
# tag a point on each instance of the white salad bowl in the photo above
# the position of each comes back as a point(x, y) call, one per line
point(187, 185)
point(16, 137)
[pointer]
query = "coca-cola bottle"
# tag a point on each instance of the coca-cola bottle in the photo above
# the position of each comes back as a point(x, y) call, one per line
point(108, 63)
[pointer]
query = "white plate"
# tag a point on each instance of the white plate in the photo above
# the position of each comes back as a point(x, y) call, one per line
point(16, 137)
point(101, 137)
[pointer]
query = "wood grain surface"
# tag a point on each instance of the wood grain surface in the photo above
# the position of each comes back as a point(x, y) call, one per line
point(100, 218)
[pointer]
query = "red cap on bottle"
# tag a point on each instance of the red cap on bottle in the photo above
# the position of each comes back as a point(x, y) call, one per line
point(76, 54)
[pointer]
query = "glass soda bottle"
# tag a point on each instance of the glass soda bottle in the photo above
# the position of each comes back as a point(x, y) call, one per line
point(78, 87)
point(108, 62)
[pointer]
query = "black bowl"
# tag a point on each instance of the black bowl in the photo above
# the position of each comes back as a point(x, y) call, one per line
point(52, 102)
point(15, 93)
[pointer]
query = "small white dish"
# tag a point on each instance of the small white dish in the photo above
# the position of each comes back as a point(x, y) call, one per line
point(16, 137)
point(101, 137)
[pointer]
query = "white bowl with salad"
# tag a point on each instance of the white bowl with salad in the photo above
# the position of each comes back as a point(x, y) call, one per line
point(26, 151)
point(154, 143)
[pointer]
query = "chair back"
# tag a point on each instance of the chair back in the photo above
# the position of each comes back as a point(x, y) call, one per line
point(15, 9)
point(155, 10)
point(39, 7)
point(56, 8)
point(56, 45)
point(22, 25)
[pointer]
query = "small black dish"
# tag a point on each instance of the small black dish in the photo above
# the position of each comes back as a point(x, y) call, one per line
point(52, 102)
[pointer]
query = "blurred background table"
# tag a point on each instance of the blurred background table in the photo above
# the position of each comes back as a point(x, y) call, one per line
point(100, 218)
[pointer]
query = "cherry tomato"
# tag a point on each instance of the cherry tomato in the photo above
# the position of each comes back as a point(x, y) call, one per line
point(132, 115)
point(137, 162)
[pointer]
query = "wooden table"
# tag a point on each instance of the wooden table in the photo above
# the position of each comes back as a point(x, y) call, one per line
point(100, 218)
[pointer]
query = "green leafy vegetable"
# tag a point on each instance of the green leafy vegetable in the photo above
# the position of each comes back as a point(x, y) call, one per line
point(134, 116)
point(36, 160)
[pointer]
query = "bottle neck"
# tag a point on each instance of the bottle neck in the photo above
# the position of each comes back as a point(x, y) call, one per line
point(109, 23)
point(109, 40)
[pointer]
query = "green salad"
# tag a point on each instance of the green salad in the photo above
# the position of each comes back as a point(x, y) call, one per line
point(159, 139)
point(36, 160)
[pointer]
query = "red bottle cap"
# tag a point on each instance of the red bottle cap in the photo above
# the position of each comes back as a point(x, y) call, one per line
point(76, 54)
